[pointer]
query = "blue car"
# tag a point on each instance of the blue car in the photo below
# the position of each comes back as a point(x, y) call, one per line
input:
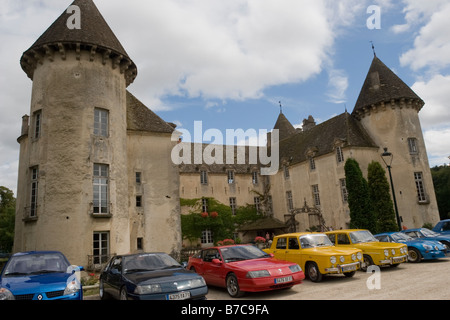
point(427, 234)
point(40, 275)
point(418, 249)
point(150, 276)
point(442, 227)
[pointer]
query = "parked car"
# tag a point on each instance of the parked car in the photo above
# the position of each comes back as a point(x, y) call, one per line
point(442, 227)
point(418, 249)
point(149, 276)
point(244, 268)
point(315, 253)
point(40, 275)
point(424, 233)
point(374, 252)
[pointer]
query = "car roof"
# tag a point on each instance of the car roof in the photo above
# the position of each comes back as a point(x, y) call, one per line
point(35, 252)
point(346, 230)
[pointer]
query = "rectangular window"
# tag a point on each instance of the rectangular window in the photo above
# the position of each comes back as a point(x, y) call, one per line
point(34, 192)
point(207, 236)
point(412, 145)
point(138, 177)
point(344, 192)
point(421, 195)
point(255, 177)
point(138, 201)
point(339, 155)
point(101, 122)
point(140, 243)
point(204, 205)
point(290, 202)
point(233, 205)
point(286, 172)
point(230, 176)
point(312, 164)
point(100, 185)
point(203, 177)
point(100, 249)
point(257, 201)
point(37, 124)
point(316, 196)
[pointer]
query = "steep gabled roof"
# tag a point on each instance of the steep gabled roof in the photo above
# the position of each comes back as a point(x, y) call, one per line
point(141, 118)
point(322, 138)
point(284, 126)
point(382, 85)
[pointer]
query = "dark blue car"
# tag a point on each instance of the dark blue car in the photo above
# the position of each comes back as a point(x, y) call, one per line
point(40, 275)
point(145, 276)
point(442, 227)
point(418, 248)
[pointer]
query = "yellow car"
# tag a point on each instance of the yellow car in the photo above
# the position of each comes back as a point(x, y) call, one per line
point(375, 252)
point(315, 254)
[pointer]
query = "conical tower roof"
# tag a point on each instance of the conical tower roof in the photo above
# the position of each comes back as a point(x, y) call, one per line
point(93, 34)
point(383, 85)
point(284, 126)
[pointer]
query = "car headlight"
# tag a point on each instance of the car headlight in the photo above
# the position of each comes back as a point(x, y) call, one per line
point(190, 284)
point(393, 252)
point(5, 294)
point(353, 256)
point(427, 247)
point(341, 259)
point(295, 268)
point(359, 255)
point(386, 252)
point(333, 259)
point(72, 287)
point(258, 274)
point(148, 289)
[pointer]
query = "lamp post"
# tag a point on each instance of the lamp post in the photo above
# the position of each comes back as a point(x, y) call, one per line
point(388, 163)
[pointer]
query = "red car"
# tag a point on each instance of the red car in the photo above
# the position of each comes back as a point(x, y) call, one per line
point(244, 268)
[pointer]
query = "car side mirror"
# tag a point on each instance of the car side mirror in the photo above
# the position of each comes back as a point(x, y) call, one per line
point(216, 261)
point(271, 255)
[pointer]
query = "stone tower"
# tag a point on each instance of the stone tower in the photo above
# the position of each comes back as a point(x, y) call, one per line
point(388, 109)
point(73, 179)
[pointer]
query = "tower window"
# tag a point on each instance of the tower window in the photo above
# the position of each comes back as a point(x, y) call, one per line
point(100, 186)
point(420, 188)
point(101, 122)
point(412, 145)
point(34, 192)
point(37, 124)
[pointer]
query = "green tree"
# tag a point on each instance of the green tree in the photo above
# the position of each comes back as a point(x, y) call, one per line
point(7, 219)
point(361, 213)
point(441, 181)
point(383, 206)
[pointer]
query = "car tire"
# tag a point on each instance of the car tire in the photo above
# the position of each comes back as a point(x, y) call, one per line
point(414, 255)
point(233, 286)
point(123, 294)
point(101, 291)
point(313, 272)
point(366, 263)
point(349, 274)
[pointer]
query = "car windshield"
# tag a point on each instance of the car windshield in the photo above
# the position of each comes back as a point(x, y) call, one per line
point(36, 263)
point(398, 236)
point(362, 236)
point(428, 233)
point(238, 253)
point(315, 240)
point(149, 262)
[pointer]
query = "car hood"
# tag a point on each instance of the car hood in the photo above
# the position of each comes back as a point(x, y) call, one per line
point(378, 245)
point(259, 264)
point(35, 283)
point(161, 276)
point(330, 250)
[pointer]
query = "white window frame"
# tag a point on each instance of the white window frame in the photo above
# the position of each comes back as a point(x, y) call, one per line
point(34, 188)
point(101, 122)
point(100, 189)
point(316, 194)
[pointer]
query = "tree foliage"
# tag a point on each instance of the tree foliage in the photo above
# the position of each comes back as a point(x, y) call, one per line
point(441, 181)
point(7, 219)
point(361, 213)
point(379, 193)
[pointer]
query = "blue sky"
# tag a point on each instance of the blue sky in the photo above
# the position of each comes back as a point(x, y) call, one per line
point(229, 63)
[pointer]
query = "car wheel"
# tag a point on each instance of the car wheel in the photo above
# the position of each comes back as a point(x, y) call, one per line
point(233, 286)
point(101, 291)
point(366, 263)
point(349, 274)
point(123, 294)
point(313, 272)
point(414, 255)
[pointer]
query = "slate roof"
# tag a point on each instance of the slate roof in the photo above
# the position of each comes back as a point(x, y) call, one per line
point(266, 223)
point(321, 139)
point(284, 126)
point(382, 85)
point(141, 118)
point(94, 32)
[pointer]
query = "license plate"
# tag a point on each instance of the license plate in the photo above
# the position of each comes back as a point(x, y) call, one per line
point(349, 268)
point(179, 296)
point(283, 280)
point(399, 259)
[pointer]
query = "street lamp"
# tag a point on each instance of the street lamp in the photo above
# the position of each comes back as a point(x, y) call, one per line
point(389, 156)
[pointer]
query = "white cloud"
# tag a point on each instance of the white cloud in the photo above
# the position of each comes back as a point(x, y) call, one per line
point(438, 146)
point(337, 85)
